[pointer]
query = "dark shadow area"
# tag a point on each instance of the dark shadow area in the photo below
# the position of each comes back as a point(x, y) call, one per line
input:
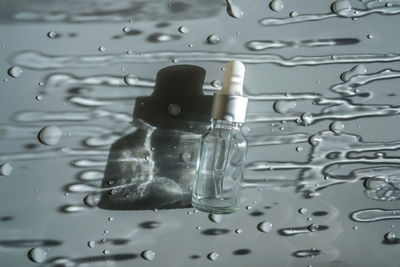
point(241, 252)
point(6, 218)
point(153, 167)
point(307, 253)
point(27, 243)
point(61, 261)
point(215, 231)
point(394, 241)
point(256, 213)
point(114, 241)
point(149, 225)
point(195, 257)
point(301, 230)
point(320, 213)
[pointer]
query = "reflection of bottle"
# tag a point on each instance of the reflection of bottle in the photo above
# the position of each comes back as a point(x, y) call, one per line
point(220, 165)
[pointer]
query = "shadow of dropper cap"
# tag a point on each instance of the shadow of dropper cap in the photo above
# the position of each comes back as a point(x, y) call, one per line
point(177, 99)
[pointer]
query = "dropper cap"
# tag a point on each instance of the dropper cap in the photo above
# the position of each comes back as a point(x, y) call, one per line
point(230, 104)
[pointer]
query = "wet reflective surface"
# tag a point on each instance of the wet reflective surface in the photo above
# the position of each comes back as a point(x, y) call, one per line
point(96, 165)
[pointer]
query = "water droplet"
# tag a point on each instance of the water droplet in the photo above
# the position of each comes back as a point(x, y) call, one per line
point(183, 29)
point(239, 231)
point(388, 4)
point(216, 84)
point(336, 127)
point(147, 157)
point(191, 45)
point(313, 227)
point(5, 169)
point(356, 70)
point(306, 118)
point(37, 255)
point(174, 60)
point(92, 200)
point(130, 79)
point(299, 149)
point(276, 5)
point(131, 21)
point(233, 10)
point(174, 109)
point(293, 14)
point(264, 227)
point(91, 244)
point(370, 36)
point(302, 210)
point(283, 106)
point(126, 29)
point(309, 219)
point(110, 219)
point(105, 232)
point(148, 255)
point(102, 48)
point(390, 236)
point(217, 218)
point(15, 71)
point(212, 256)
point(213, 39)
point(50, 135)
point(355, 227)
point(315, 140)
point(327, 177)
point(198, 227)
point(186, 157)
point(106, 252)
point(342, 8)
point(52, 34)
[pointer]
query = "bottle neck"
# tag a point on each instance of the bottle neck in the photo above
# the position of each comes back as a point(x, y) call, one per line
point(225, 124)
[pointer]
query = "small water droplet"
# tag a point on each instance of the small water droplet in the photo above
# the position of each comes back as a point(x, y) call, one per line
point(174, 109)
point(355, 227)
point(299, 149)
point(186, 157)
point(5, 169)
point(50, 135)
point(370, 36)
point(51, 34)
point(91, 244)
point(212, 256)
point(198, 227)
point(216, 218)
point(15, 71)
point(148, 254)
point(37, 255)
point(283, 106)
point(302, 210)
point(213, 39)
point(293, 14)
point(106, 252)
point(276, 5)
point(110, 219)
point(388, 4)
point(102, 49)
point(264, 227)
point(130, 79)
point(239, 231)
point(306, 118)
point(183, 29)
point(126, 29)
point(336, 127)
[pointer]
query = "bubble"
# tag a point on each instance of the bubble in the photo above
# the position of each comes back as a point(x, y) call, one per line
point(264, 227)
point(315, 140)
point(276, 5)
point(370, 36)
point(92, 200)
point(216, 218)
point(15, 71)
point(174, 109)
point(5, 169)
point(234, 10)
point(389, 236)
point(51, 34)
point(126, 29)
point(213, 39)
point(283, 106)
point(148, 255)
point(341, 8)
point(130, 79)
point(313, 227)
point(102, 49)
point(212, 256)
point(50, 135)
point(91, 244)
point(37, 255)
point(302, 210)
point(183, 29)
point(336, 127)
point(239, 231)
point(106, 252)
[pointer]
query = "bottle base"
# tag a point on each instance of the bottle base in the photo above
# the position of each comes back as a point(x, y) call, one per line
point(214, 210)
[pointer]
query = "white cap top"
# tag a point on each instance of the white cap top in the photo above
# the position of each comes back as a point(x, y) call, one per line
point(233, 78)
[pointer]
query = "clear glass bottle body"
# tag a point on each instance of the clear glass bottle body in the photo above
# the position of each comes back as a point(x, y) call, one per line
point(220, 167)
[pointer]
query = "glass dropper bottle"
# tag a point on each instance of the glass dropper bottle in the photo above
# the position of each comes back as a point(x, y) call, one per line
point(220, 165)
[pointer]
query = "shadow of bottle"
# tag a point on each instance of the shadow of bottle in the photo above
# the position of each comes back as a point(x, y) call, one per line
point(153, 167)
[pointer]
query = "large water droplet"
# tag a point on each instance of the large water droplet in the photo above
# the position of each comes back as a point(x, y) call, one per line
point(234, 10)
point(390, 236)
point(91, 244)
point(130, 79)
point(341, 8)
point(15, 71)
point(37, 255)
point(217, 218)
point(356, 70)
point(213, 39)
point(50, 135)
point(174, 109)
point(315, 140)
point(276, 5)
point(283, 106)
point(212, 256)
point(336, 126)
point(264, 227)
point(5, 169)
point(313, 227)
point(148, 255)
